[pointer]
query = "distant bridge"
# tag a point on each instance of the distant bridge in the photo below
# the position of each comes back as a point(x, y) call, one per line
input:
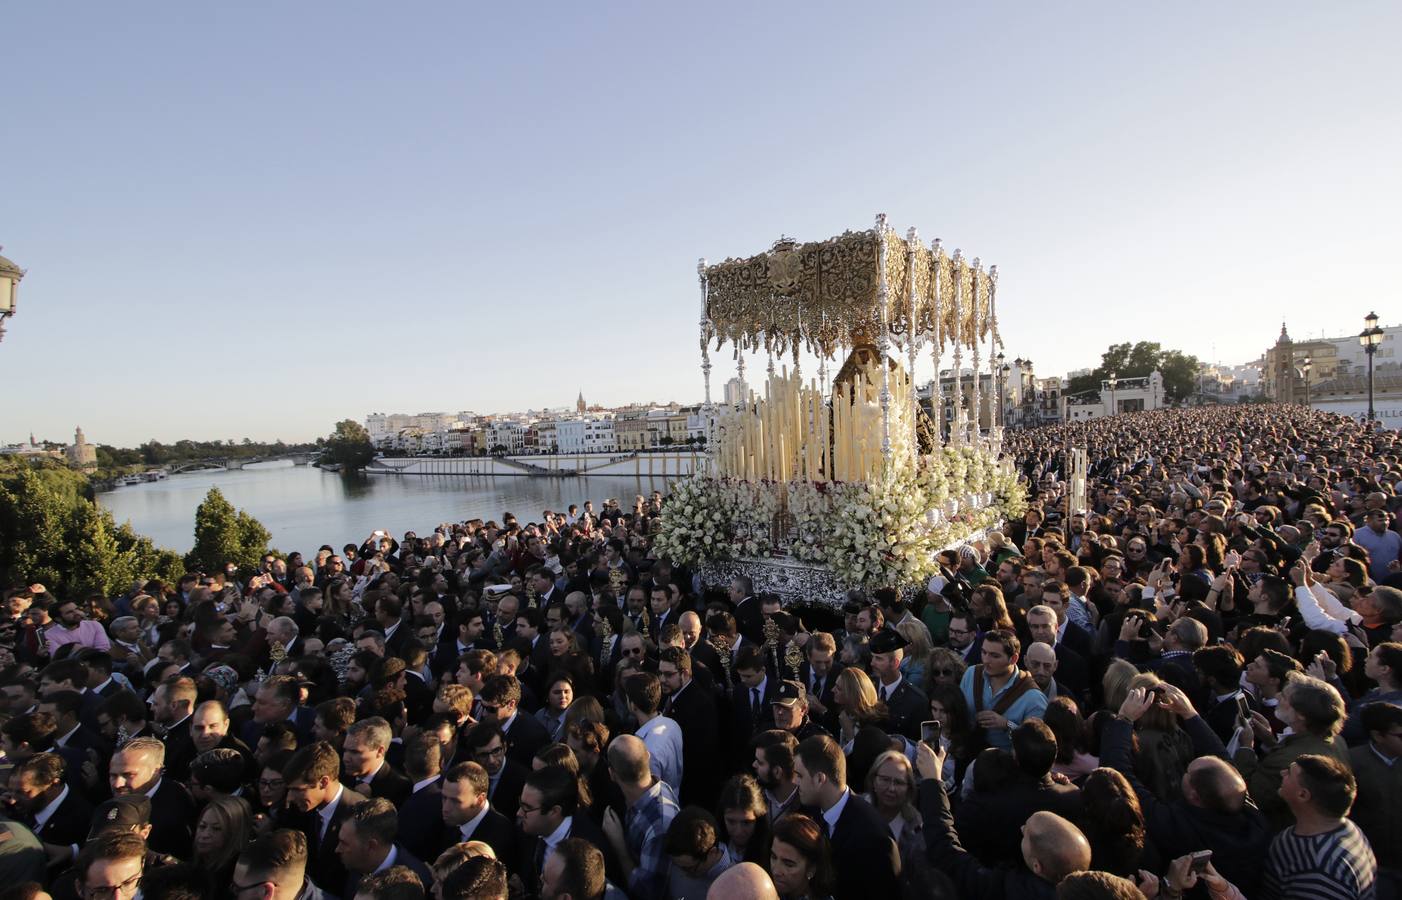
point(225, 463)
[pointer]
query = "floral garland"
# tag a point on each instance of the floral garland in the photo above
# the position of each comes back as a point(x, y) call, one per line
point(886, 532)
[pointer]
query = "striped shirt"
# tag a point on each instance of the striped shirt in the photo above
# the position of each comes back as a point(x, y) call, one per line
point(1336, 865)
point(646, 823)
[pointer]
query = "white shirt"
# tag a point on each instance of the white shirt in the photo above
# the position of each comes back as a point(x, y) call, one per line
point(63, 741)
point(389, 859)
point(468, 827)
point(329, 810)
point(420, 785)
point(371, 777)
point(43, 815)
point(555, 837)
point(890, 689)
point(833, 814)
point(663, 738)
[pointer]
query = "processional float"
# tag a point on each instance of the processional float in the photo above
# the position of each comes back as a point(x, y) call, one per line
point(815, 487)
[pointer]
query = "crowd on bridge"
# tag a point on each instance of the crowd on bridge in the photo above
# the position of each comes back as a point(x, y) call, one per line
point(1192, 686)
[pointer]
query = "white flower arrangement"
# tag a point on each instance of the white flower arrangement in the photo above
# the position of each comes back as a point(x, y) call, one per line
point(872, 534)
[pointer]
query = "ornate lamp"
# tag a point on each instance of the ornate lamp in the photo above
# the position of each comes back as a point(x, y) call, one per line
point(10, 275)
point(1370, 338)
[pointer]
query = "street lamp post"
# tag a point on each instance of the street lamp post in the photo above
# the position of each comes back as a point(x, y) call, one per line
point(1113, 381)
point(1370, 338)
point(10, 275)
point(1305, 368)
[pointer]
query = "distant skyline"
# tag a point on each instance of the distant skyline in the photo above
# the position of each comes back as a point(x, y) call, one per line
point(256, 220)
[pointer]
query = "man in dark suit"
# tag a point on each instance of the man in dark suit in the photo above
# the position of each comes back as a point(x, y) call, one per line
point(485, 745)
point(57, 814)
point(363, 762)
point(501, 701)
point(366, 844)
point(549, 815)
point(693, 708)
point(277, 700)
point(749, 619)
point(664, 613)
point(1072, 669)
point(421, 815)
point(172, 705)
point(905, 703)
point(865, 858)
point(317, 805)
point(467, 815)
point(468, 635)
point(983, 819)
point(751, 700)
point(137, 769)
point(819, 673)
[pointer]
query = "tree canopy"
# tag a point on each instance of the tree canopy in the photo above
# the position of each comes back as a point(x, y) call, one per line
point(1179, 370)
point(349, 446)
point(225, 535)
point(52, 532)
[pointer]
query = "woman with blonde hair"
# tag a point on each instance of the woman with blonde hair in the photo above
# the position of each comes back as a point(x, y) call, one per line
point(857, 703)
point(890, 787)
point(222, 831)
point(915, 663)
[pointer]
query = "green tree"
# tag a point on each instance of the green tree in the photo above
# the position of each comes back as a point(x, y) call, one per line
point(1179, 370)
point(224, 534)
point(349, 445)
point(51, 531)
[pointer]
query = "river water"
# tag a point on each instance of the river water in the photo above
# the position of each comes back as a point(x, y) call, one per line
point(304, 507)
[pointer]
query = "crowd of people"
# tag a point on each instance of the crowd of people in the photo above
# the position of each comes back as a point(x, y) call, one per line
point(1192, 686)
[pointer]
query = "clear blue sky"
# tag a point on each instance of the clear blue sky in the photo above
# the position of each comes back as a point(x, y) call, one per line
point(254, 219)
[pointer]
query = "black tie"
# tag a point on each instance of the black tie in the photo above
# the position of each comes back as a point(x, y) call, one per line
point(754, 703)
point(817, 687)
point(883, 693)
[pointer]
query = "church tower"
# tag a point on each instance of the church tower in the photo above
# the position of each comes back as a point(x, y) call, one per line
point(579, 404)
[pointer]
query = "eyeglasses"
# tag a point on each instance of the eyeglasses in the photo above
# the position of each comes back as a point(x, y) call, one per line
point(946, 672)
point(882, 781)
point(493, 753)
point(271, 783)
point(634, 651)
point(235, 888)
point(116, 890)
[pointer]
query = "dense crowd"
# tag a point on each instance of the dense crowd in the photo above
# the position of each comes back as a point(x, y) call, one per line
point(1191, 687)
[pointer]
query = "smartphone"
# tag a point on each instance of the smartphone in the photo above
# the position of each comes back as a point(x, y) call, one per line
point(930, 733)
point(1200, 860)
point(1285, 622)
point(1243, 709)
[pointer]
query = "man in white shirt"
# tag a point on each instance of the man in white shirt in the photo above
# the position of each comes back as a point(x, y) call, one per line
point(662, 736)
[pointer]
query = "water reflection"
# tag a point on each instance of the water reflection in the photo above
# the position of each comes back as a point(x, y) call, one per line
point(304, 507)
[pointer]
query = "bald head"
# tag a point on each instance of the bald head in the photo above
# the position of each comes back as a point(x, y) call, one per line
point(1213, 783)
point(745, 881)
point(629, 760)
point(1053, 848)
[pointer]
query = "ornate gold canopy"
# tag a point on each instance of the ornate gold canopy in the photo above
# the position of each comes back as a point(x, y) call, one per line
point(820, 294)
